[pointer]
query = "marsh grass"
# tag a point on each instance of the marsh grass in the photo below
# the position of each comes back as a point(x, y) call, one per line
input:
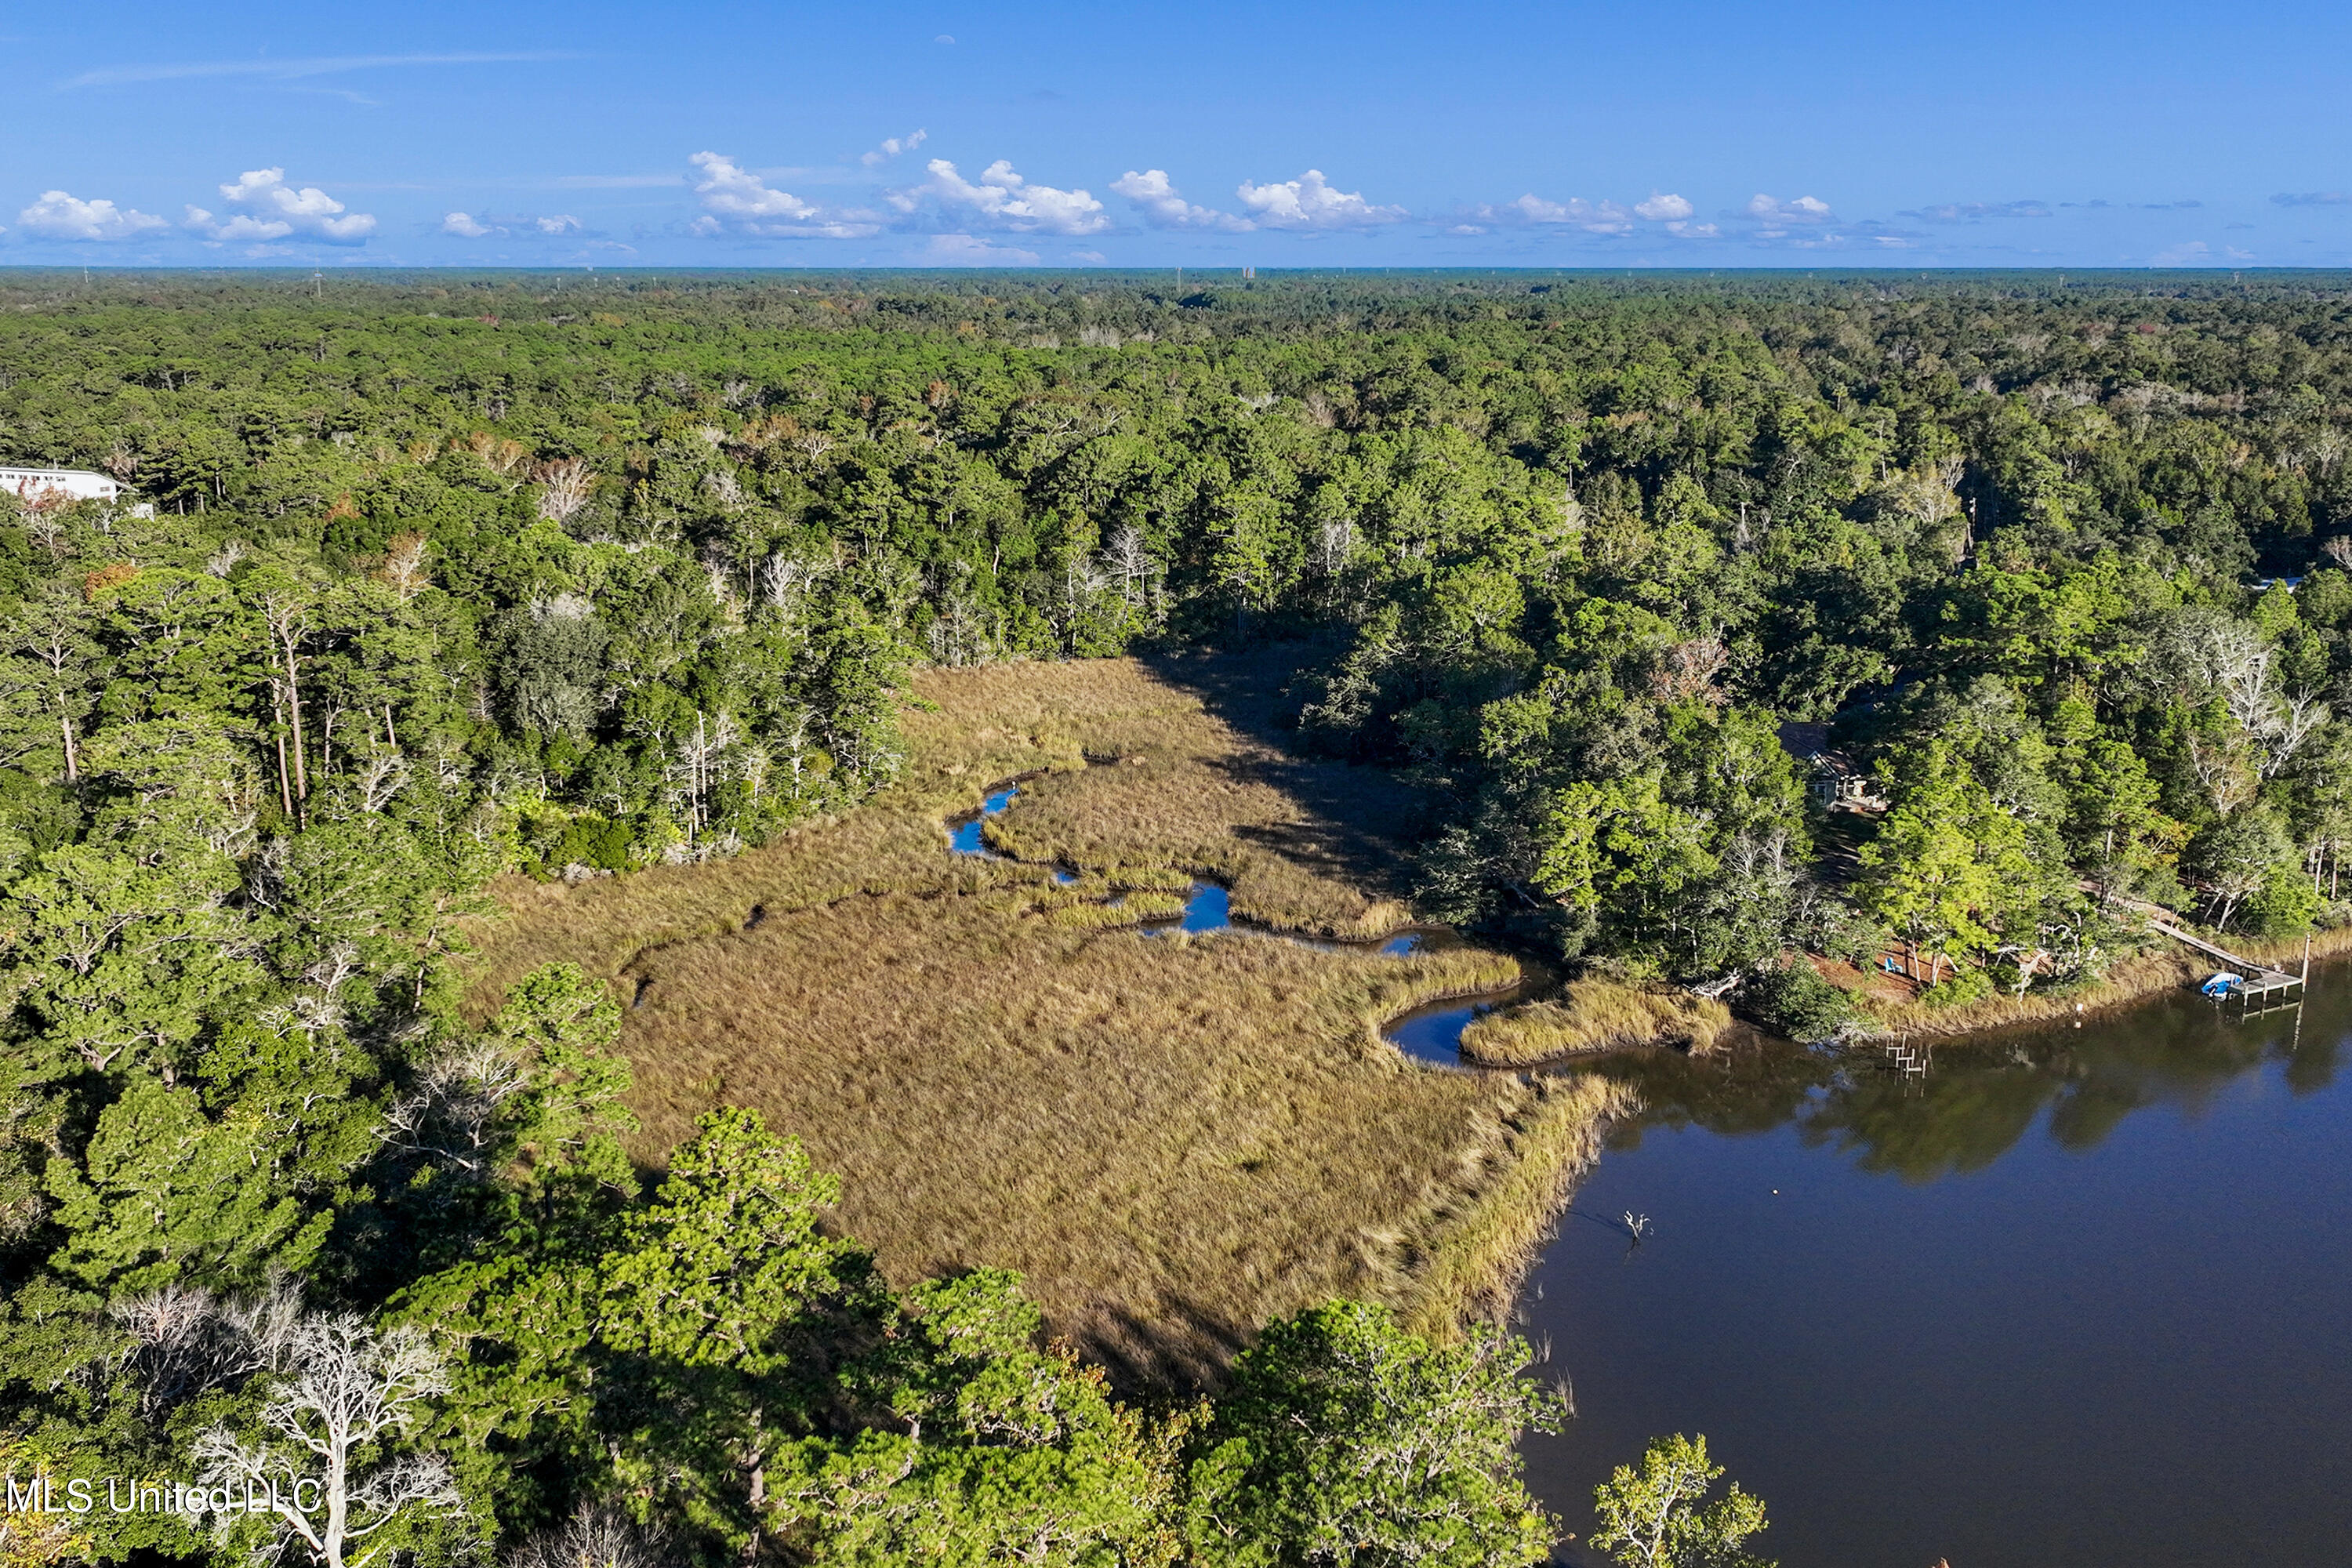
point(1133, 909)
point(1595, 1014)
point(1175, 1137)
point(1193, 795)
point(1486, 1246)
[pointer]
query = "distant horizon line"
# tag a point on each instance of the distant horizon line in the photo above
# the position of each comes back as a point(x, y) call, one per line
point(1237, 268)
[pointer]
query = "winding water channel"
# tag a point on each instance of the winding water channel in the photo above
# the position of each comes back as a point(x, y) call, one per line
point(2080, 1295)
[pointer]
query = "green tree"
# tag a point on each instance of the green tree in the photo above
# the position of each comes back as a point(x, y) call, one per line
point(163, 1191)
point(1345, 1439)
point(1621, 848)
point(1950, 870)
point(994, 1452)
point(1657, 1516)
point(2247, 860)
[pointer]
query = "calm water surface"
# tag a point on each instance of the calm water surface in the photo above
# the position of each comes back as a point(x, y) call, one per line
point(2081, 1297)
point(963, 834)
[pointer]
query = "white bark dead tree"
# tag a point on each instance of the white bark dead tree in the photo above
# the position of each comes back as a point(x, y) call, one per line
point(344, 1392)
point(563, 488)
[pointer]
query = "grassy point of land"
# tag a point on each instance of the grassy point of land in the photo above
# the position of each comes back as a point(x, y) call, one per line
point(1592, 1016)
point(1176, 1138)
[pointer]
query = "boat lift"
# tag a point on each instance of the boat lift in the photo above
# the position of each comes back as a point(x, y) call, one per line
point(2255, 987)
point(2258, 993)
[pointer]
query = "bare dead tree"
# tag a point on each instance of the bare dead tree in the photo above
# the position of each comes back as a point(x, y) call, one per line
point(1125, 558)
point(2328, 448)
point(701, 756)
point(1688, 669)
point(563, 486)
point(956, 636)
point(334, 968)
point(722, 486)
point(499, 455)
point(288, 618)
point(2294, 718)
point(2239, 664)
point(331, 1487)
point(185, 1340)
point(1082, 582)
point(404, 564)
point(722, 583)
point(597, 1535)
point(2222, 772)
point(379, 779)
point(451, 1114)
point(1335, 540)
point(784, 581)
point(795, 745)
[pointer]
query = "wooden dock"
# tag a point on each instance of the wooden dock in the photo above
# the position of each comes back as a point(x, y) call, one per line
point(2259, 985)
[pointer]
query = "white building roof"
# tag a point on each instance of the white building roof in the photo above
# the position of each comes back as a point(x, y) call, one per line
point(79, 483)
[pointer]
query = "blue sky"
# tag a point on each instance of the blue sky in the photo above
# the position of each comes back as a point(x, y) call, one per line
point(1209, 134)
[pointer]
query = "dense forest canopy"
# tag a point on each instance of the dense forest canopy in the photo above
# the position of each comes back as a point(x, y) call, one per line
point(451, 574)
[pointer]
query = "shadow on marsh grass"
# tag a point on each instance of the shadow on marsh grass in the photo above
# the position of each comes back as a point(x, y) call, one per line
point(1357, 822)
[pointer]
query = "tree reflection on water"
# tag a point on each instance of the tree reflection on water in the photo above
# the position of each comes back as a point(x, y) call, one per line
point(1982, 1095)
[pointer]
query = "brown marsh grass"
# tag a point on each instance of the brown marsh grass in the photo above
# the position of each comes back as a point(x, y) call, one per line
point(1595, 1014)
point(1176, 1138)
point(1486, 1246)
point(1304, 836)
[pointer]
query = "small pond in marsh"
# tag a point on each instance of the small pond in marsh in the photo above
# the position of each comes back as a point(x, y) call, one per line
point(2079, 1296)
point(963, 833)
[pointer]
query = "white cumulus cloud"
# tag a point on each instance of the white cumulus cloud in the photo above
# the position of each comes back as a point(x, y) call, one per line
point(737, 201)
point(1804, 209)
point(57, 215)
point(1600, 217)
point(1005, 200)
point(1310, 201)
point(276, 210)
point(555, 225)
point(970, 250)
point(731, 192)
point(892, 146)
point(1164, 207)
